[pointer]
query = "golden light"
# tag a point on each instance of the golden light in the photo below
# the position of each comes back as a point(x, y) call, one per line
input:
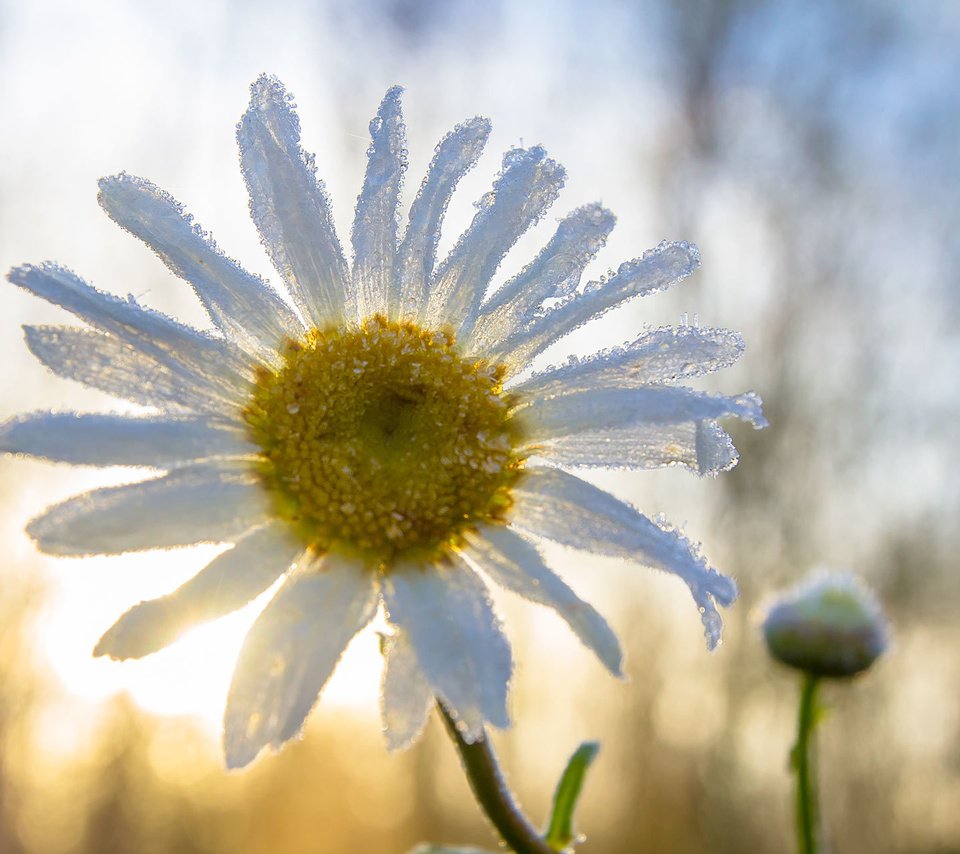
point(192, 676)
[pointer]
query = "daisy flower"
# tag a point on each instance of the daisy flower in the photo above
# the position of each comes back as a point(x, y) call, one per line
point(368, 432)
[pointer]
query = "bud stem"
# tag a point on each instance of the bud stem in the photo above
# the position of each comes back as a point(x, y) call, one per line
point(802, 759)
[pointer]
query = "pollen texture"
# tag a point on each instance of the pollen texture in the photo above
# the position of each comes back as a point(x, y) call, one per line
point(383, 439)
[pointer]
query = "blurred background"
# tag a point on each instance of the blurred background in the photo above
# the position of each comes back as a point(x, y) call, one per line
point(809, 148)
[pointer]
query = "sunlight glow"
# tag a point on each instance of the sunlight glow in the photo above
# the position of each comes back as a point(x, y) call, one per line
point(192, 676)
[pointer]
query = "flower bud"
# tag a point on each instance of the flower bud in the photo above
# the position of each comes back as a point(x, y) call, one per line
point(830, 625)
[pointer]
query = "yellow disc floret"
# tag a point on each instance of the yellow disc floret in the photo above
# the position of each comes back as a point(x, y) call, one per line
point(383, 439)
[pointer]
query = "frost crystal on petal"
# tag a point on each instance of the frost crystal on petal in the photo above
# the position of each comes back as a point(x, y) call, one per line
point(228, 582)
point(455, 155)
point(290, 206)
point(186, 352)
point(555, 273)
point(241, 305)
point(620, 408)
point(657, 270)
point(658, 356)
point(208, 502)
point(703, 447)
point(457, 639)
point(528, 185)
point(407, 695)
point(95, 439)
point(291, 652)
point(375, 225)
point(605, 525)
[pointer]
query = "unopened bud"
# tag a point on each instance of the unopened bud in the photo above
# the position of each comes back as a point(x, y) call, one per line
point(830, 625)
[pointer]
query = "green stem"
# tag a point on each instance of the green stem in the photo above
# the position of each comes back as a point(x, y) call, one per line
point(492, 793)
point(803, 764)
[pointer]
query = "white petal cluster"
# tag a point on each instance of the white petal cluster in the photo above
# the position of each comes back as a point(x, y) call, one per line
point(619, 408)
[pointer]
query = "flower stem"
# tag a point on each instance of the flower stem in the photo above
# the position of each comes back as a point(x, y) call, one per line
point(807, 817)
point(492, 793)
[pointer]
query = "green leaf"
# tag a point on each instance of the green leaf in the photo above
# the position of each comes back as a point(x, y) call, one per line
point(560, 828)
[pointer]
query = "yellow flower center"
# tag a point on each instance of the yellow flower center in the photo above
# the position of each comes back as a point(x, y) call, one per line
point(382, 439)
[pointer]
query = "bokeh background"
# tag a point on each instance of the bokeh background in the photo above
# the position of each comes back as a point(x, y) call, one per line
point(809, 147)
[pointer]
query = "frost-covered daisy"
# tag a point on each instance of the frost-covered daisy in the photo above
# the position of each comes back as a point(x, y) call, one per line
point(367, 431)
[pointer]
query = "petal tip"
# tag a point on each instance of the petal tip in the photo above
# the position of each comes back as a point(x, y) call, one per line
point(479, 126)
point(18, 275)
point(689, 250)
point(239, 748)
point(144, 629)
point(38, 530)
point(615, 663)
point(398, 742)
point(105, 649)
point(266, 92)
point(237, 759)
point(725, 590)
point(110, 184)
point(263, 85)
point(392, 96)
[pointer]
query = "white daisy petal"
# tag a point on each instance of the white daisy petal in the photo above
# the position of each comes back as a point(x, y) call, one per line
point(658, 269)
point(406, 698)
point(456, 154)
point(547, 501)
point(375, 223)
point(528, 185)
point(554, 273)
point(621, 408)
point(291, 651)
point(701, 446)
point(241, 305)
point(187, 352)
point(660, 355)
point(106, 363)
point(231, 580)
point(516, 564)
point(103, 439)
point(208, 502)
point(447, 613)
point(290, 206)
